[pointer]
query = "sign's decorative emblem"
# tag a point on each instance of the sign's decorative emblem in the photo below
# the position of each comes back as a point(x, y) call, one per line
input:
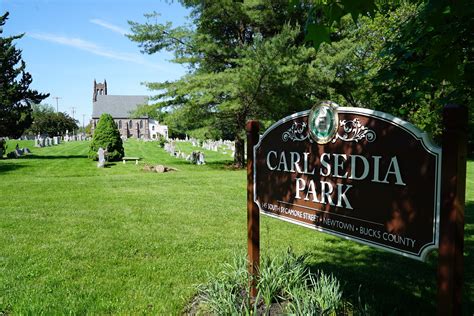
point(355, 131)
point(296, 132)
point(323, 122)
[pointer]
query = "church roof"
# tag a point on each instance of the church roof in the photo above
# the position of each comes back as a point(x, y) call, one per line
point(119, 106)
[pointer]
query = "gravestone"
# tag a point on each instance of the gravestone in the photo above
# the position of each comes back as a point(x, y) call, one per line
point(101, 154)
point(201, 160)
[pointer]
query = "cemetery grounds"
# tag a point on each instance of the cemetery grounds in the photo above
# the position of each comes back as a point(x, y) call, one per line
point(79, 239)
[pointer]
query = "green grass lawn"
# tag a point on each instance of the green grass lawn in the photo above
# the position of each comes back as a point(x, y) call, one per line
point(75, 238)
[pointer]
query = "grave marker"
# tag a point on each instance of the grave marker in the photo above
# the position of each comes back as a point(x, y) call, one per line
point(101, 154)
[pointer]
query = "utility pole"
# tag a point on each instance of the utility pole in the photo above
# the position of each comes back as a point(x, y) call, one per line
point(73, 112)
point(83, 119)
point(57, 107)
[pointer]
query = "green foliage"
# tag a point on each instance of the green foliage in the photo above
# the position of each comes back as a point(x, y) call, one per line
point(88, 129)
point(281, 279)
point(15, 96)
point(325, 16)
point(149, 111)
point(246, 60)
point(107, 136)
point(224, 294)
point(47, 121)
point(429, 63)
point(321, 296)
point(407, 58)
point(161, 141)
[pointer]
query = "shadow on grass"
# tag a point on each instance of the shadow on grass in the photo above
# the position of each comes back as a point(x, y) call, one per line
point(10, 167)
point(216, 165)
point(392, 284)
point(33, 156)
point(223, 165)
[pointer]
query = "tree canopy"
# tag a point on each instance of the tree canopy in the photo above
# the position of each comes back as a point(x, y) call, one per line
point(263, 59)
point(15, 95)
point(246, 60)
point(47, 121)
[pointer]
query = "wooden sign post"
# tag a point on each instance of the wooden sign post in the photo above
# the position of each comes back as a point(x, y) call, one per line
point(451, 241)
point(253, 213)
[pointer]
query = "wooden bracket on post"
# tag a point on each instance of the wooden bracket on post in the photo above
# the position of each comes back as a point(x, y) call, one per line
point(253, 215)
point(453, 188)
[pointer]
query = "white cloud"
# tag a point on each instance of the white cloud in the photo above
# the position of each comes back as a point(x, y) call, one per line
point(111, 27)
point(94, 49)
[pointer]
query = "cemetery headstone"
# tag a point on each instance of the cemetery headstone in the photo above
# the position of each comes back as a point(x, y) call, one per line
point(101, 154)
point(201, 160)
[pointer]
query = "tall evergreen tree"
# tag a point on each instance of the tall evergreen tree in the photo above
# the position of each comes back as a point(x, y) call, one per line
point(15, 95)
point(246, 60)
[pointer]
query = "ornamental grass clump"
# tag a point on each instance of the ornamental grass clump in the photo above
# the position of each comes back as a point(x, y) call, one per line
point(107, 136)
point(285, 286)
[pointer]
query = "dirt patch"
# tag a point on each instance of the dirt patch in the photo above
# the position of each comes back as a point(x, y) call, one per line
point(158, 168)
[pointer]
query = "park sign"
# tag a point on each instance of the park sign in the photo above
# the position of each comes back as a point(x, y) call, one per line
point(352, 172)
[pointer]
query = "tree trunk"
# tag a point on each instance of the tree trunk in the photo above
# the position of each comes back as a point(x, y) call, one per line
point(239, 157)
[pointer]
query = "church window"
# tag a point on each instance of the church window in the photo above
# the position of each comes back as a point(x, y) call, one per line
point(141, 123)
point(120, 124)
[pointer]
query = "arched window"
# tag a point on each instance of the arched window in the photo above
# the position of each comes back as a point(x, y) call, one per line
point(153, 127)
point(141, 123)
point(130, 124)
point(120, 124)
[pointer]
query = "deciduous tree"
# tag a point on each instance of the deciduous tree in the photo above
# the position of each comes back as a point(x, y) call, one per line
point(47, 121)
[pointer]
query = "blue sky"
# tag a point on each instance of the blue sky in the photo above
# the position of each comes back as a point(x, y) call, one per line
point(69, 43)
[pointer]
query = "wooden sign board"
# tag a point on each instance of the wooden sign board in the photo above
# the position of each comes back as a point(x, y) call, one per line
point(352, 172)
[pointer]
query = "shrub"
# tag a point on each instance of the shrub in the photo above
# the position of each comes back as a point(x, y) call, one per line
point(162, 141)
point(107, 136)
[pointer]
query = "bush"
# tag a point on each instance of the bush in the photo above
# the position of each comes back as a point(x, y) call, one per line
point(162, 141)
point(107, 136)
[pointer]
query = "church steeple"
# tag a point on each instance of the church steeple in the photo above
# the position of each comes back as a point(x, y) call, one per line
point(99, 89)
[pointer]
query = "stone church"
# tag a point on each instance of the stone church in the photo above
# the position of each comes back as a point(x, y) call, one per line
point(121, 107)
